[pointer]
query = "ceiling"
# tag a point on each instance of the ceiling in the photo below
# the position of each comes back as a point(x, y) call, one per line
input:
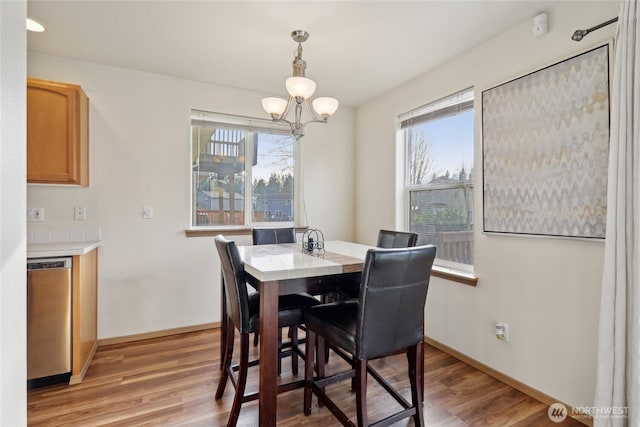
point(356, 51)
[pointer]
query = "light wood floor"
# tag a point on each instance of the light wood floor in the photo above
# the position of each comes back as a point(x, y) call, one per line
point(171, 381)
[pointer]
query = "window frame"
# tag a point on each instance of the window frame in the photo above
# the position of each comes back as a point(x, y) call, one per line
point(247, 124)
point(438, 109)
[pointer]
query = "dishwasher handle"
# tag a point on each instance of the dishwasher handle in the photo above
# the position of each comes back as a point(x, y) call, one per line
point(48, 263)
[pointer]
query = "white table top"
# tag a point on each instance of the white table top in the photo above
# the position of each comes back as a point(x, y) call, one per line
point(289, 261)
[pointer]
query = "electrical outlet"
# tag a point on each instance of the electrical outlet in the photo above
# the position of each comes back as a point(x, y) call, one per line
point(502, 332)
point(80, 213)
point(35, 214)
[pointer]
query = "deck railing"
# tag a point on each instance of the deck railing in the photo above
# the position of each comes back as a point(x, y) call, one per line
point(455, 246)
point(205, 217)
point(210, 217)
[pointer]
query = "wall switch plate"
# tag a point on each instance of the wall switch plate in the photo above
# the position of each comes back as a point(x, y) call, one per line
point(147, 212)
point(80, 213)
point(35, 214)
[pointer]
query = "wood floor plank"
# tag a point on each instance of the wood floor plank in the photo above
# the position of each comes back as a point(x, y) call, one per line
point(171, 381)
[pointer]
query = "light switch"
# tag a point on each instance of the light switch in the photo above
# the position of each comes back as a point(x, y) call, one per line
point(147, 212)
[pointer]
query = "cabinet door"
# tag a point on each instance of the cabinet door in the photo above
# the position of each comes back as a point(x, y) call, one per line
point(85, 313)
point(57, 133)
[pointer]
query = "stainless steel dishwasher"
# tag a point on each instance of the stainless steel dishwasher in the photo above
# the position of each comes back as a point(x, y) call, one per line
point(48, 321)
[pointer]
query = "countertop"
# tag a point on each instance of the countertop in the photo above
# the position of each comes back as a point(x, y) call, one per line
point(42, 250)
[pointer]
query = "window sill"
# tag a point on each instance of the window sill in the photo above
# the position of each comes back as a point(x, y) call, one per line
point(455, 275)
point(239, 231)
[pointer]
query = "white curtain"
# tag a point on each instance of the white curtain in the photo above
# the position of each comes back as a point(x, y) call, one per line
point(618, 374)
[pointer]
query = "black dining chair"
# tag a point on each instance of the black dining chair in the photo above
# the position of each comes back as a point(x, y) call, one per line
point(271, 236)
point(243, 314)
point(386, 239)
point(387, 318)
point(396, 239)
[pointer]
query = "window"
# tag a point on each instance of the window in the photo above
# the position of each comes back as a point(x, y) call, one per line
point(438, 141)
point(240, 165)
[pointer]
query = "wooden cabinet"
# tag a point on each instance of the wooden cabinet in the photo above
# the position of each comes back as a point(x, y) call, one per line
point(84, 308)
point(57, 133)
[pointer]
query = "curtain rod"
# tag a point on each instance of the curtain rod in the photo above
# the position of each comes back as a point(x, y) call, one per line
point(579, 34)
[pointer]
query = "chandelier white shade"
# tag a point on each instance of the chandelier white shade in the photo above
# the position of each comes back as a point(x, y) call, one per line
point(325, 106)
point(300, 90)
point(274, 105)
point(300, 86)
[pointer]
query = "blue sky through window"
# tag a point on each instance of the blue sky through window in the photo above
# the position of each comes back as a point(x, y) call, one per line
point(451, 141)
point(275, 154)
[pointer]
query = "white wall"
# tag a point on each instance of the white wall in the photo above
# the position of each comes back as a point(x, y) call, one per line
point(546, 290)
point(151, 276)
point(13, 287)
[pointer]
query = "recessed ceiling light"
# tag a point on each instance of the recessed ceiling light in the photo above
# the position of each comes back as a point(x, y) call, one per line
point(34, 26)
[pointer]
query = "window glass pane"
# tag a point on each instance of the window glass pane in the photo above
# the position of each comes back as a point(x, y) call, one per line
point(439, 141)
point(218, 175)
point(273, 179)
point(444, 218)
point(240, 163)
point(440, 150)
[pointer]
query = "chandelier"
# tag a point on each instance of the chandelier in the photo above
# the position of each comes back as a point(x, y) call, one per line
point(300, 91)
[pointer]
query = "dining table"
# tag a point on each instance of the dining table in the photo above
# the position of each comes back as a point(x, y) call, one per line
point(282, 269)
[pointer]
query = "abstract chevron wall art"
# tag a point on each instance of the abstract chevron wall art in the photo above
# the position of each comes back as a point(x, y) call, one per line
point(545, 150)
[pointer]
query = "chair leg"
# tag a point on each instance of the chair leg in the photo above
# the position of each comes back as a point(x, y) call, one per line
point(414, 357)
point(420, 362)
point(223, 343)
point(256, 339)
point(308, 370)
point(360, 367)
point(223, 326)
point(242, 381)
point(226, 363)
point(293, 336)
point(279, 351)
point(320, 361)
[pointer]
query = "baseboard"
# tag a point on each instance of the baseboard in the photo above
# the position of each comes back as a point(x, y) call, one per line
point(77, 378)
point(520, 386)
point(157, 334)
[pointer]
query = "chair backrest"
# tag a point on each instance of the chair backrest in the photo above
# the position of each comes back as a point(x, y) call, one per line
point(396, 239)
point(393, 293)
point(269, 236)
point(235, 285)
